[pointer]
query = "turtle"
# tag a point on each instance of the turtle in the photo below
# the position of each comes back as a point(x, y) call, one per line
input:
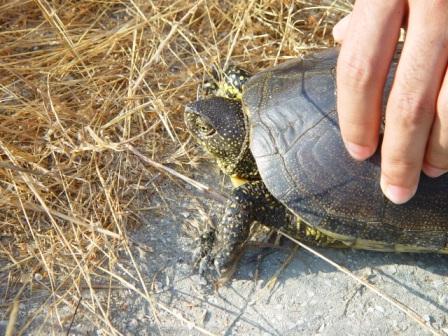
point(281, 145)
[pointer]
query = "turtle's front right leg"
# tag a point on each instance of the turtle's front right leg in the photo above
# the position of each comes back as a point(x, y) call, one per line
point(249, 202)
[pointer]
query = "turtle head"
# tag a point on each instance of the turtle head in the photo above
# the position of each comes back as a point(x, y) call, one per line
point(219, 125)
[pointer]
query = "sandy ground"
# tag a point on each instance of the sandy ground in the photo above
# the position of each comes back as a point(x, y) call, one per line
point(309, 297)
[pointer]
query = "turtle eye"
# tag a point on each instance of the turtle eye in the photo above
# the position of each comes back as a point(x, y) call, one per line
point(204, 127)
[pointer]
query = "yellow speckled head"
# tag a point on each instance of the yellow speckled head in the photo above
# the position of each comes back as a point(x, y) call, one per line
point(218, 124)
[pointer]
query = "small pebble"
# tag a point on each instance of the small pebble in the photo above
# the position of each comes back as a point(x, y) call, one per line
point(190, 326)
point(158, 286)
point(300, 322)
point(444, 300)
point(141, 313)
point(100, 332)
point(369, 271)
point(379, 308)
point(438, 283)
point(132, 324)
point(185, 214)
point(393, 269)
point(428, 318)
point(213, 300)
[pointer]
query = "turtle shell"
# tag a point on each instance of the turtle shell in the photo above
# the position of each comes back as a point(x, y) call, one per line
point(296, 141)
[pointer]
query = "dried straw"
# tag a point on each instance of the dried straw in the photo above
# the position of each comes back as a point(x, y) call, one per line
point(84, 82)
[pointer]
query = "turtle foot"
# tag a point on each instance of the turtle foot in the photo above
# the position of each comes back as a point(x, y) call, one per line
point(214, 264)
point(203, 258)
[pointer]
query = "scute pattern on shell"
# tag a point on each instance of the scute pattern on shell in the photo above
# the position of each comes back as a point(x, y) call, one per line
point(296, 142)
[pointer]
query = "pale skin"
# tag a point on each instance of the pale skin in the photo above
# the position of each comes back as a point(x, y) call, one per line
point(416, 127)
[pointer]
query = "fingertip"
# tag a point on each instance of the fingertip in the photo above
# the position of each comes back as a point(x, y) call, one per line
point(359, 152)
point(432, 171)
point(340, 29)
point(397, 194)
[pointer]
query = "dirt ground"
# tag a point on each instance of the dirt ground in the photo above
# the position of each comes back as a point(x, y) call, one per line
point(308, 297)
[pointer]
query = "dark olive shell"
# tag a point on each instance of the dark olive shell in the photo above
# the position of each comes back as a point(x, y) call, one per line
point(296, 141)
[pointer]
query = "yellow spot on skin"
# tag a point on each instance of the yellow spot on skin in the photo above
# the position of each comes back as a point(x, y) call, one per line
point(237, 181)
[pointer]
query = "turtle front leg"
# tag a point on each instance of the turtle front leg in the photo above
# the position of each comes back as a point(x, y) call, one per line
point(249, 202)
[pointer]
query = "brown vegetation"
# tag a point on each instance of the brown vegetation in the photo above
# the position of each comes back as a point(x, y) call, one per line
point(83, 86)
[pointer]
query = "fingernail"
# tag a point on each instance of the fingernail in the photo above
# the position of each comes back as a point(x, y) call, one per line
point(357, 151)
point(397, 194)
point(432, 171)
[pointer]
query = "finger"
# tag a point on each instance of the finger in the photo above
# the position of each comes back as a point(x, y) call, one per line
point(362, 68)
point(340, 29)
point(436, 160)
point(411, 106)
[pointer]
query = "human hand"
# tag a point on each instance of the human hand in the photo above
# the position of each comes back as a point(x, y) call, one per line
point(416, 124)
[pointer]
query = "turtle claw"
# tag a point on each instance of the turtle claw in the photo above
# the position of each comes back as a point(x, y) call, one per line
point(221, 262)
point(213, 271)
point(207, 271)
point(205, 266)
point(205, 244)
point(211, 262)
point(203, 256)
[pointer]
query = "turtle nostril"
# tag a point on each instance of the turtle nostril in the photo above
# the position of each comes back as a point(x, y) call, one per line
point(191, 107)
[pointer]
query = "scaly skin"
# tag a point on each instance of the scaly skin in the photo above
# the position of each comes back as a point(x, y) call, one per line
point(248, 203)
point(228, 84)
point(219, 125)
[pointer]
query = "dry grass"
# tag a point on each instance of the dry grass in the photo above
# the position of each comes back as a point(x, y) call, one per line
point(82, 83)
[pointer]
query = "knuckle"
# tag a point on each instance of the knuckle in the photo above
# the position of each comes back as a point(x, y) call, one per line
point(355, 72)
point(401, 171)
point(396, 161)
point(397, 165)
point(412, 110)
